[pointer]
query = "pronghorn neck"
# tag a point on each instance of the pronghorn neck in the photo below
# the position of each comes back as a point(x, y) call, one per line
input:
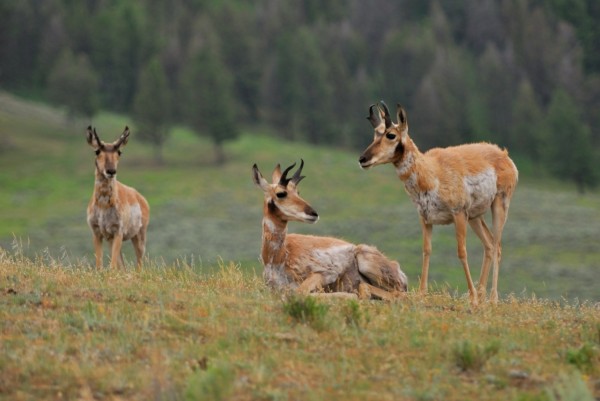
point(105, 193)
point(414, 170)
point(273, 240)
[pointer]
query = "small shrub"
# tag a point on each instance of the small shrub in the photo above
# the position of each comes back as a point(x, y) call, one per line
point(468, 356)
point(306, 310)
point(583, 357)
point(216, 383)
point(570, 388)
point(352, 313)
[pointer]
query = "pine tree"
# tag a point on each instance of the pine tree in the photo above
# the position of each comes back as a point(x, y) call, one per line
point(74, 84)
point(527, 128)
point(152, 107)
point(207, 90)
point(568, 152)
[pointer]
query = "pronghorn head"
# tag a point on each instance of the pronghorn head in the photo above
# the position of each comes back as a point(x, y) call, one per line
point(281, 196)
point(107, 154)
point(389, 139)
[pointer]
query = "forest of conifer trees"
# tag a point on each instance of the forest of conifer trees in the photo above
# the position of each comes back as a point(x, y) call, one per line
point(521, 73)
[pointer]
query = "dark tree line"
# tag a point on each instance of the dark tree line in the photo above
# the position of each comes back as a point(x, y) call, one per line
point(522, 73)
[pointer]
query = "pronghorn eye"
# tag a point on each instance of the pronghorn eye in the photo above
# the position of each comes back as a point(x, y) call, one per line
point(390, 136)
point(97, 152)
point(119, 152)
point(281, 195)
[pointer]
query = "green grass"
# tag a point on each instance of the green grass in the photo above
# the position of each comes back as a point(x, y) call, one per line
point(201, 213)
point(178, 333)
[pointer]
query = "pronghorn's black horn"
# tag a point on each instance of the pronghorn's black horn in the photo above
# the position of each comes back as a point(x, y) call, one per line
point(97, 137)
point(284, 180)
point(386, 115)
point(373, 116)
point(297, 177)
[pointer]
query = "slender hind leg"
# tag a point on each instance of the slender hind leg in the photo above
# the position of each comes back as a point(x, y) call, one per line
point(485, 236)
point(139, 245)
point(499, 216)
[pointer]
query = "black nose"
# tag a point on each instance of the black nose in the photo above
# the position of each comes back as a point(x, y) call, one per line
point(111, 171)
point(311, 212)
point(362, 159)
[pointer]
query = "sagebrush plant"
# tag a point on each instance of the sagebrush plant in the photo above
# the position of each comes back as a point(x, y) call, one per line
point(472, 357)
point(306, 309)
point(585, 358)
point(570, 387)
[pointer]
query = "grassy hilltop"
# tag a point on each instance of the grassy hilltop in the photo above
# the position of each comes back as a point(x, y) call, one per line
point(172, 334)
point(203, 213)
point(197, 321)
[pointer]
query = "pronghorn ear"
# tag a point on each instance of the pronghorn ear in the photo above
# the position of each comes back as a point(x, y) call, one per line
point(92, 138)
point(401, 116)
point(259, 180)
point(276, 176)
point(123, 139)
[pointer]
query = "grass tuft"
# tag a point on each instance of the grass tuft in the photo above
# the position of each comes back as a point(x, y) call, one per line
point(215, 384)
point(569, 388)
point(472, 357)
point(306, 309)
point(584, 358)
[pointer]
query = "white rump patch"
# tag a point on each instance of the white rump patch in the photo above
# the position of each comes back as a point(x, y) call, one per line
point(332, 262)
point(480, 190)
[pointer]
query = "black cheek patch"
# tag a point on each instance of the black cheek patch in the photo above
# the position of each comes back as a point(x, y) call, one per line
point(272, 207)
point(399, 151)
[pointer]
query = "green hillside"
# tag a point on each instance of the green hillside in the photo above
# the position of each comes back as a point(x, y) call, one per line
point(202, 213)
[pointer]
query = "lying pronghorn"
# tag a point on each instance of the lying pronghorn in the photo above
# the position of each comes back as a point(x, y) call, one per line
point(452, 185)
point(307, 263)
point(116, 212)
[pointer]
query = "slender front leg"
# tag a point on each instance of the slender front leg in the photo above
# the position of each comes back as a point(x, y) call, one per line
point(427, 230)
point(313, 282)
point(460, 224)
point(117, 242)
point(98, 250)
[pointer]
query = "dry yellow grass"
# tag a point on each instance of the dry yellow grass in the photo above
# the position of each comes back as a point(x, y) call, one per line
point(171, 333)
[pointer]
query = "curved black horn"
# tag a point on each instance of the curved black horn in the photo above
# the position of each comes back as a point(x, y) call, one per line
point(386, 115)
point(284, 180)
point(297, 177)
point(100, 143)
point(373, 116)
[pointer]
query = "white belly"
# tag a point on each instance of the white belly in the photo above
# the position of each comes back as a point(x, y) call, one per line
point(109, 222)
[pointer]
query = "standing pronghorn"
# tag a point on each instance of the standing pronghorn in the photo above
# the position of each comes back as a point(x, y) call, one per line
point(457, 185)
point(306, 263)
point(116, 212)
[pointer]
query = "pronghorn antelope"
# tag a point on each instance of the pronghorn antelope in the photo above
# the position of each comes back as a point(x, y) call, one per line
point(306, 263)
point(116, 212)
point(457, 185)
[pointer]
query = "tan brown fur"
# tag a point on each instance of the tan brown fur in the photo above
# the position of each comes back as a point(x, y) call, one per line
point(116, 212)
point(457, 185)
point(309, 264)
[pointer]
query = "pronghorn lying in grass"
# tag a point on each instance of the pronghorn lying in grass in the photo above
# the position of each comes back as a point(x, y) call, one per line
point(116, 212)
point(306, 263)
point(456, 185)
